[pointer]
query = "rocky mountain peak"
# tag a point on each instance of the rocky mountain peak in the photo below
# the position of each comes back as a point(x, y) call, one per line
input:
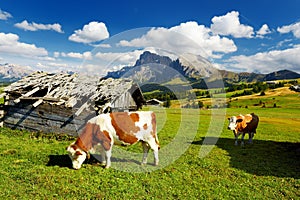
point(12, 72)
point(148, 57)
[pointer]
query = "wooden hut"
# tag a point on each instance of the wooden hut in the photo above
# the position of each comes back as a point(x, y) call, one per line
point(154, 102)
point(62, 103)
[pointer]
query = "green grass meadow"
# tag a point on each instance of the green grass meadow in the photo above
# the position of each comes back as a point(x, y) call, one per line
point(36, 166)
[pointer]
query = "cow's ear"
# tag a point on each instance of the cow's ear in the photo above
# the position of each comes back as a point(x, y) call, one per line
point(239, 120)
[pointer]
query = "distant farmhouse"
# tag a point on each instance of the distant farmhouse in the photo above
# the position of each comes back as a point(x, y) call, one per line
point(154, 102)
point(295, 88)
point(62, 103)
point(272, 82)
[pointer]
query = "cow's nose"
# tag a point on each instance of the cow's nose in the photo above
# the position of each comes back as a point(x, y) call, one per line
point(228, 128)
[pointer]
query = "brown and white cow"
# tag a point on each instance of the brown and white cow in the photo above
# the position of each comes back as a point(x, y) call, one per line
point(243, 124)
point(125, 128)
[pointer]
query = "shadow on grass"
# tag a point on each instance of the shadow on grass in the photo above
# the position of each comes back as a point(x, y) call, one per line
point(60, 160)
point(65, 161)
point(263, 158)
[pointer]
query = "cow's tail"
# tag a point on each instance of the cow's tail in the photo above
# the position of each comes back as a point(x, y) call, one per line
point(156, 141)
point(155, 130)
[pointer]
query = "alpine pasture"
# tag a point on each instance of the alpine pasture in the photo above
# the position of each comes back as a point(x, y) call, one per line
point(36, 165)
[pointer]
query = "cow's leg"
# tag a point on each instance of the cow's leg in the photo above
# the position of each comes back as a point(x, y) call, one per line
point(236, 136)
point(236, 141)
point(154, 147)
point(107, 157)
point(242, 139)
point(102, 154)
point(251, 135)
point(145, 150)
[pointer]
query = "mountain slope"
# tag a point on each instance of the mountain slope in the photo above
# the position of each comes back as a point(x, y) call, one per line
point(280, 75)
point(151, 67)
point(196, 66)
point(11, 73)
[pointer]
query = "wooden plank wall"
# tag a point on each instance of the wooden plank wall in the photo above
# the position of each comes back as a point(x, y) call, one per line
point(45, 118)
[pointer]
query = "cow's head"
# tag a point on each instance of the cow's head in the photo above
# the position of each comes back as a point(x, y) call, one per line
point(77, 155)
point(233, 122)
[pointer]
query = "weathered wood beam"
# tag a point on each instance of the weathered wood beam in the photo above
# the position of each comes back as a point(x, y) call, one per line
point(41, 98)
point(37, 103)
point(71, 102)
point(2, 95)
point(84, 106)
point(27, 94)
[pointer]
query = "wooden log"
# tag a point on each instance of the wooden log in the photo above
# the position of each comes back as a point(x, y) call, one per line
point(1, 113)
point(31, 92)
point(37, 103)
point(2, 95)
point(71, 102)
point(48, 111)
point(27, 94)
point(48, 128)
point(84, 106)
point(45, 98)
point(17, 120)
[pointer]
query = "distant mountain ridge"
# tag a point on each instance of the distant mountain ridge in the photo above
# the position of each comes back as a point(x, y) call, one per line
point(151, 67)
point(156, 68)
point(12, 73)
point(162, 69)
point(282, 74)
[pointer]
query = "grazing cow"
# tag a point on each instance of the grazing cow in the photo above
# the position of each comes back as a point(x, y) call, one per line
point(118, 127)
point(243, 124)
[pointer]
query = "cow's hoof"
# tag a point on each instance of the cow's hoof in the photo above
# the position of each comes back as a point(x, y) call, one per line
point(103, 163)
point(107, 166)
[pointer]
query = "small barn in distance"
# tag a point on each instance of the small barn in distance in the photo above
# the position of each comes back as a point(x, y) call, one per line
point(154, 102)
point(62, 103)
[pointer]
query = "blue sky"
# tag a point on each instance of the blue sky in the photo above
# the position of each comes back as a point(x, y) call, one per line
point(88, 35)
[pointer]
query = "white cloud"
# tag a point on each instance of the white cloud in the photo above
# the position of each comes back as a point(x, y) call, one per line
point(266, 62)
point(101, 63)
point(92, 32)
point(55, 67)
point(229, 24)
point(47, 65)
point(187, 37)
point(102, 45)
point(121, 59)
point(4, 15)
point(9, 43)
point(86, 55)
point(35, 27)
point(56, 54)
point(294, 28)
point(264, 30)
point(287, 42)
